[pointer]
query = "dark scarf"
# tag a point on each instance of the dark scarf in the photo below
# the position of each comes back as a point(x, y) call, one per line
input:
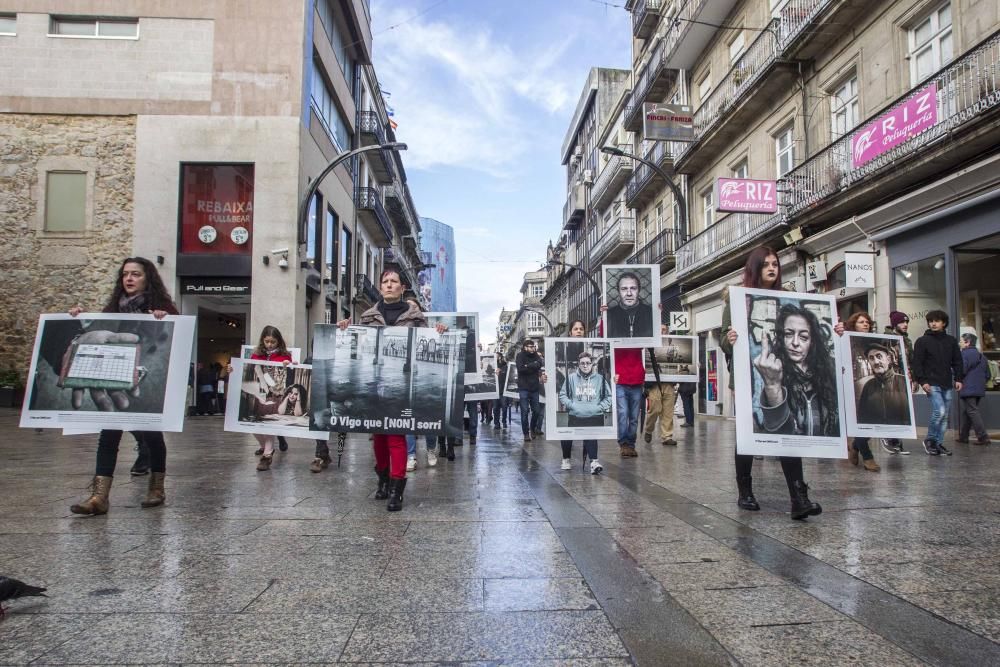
point(392, 311)
point(134, 304)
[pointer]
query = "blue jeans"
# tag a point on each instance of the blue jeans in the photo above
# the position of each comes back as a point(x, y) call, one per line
point(470, 410)
point(501, 410)
point(628, 397)
point(940, 400)
point(687, 400)
point(529, 399)
point(411, 445)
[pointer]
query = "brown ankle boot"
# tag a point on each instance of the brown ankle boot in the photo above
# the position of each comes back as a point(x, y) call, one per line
point(155, 495)
point(98, 502)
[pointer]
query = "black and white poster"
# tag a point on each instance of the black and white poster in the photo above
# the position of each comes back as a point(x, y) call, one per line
point(246, 351)
point(510, 389)
point(387, 380)
point(632, 295)
point(269, 398)
point(109, 371)
point(676, 360)
point(485, 386)
point(580, 373)
point(789, 400)
point(876, 389)
point(468, 322)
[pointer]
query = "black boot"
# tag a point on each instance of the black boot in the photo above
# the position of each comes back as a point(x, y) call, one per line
point(451, 449)
point(442, 448)
point(383, 484)
point(746, 501)
point(396, 487)
point(141, 465)
point(802, 507)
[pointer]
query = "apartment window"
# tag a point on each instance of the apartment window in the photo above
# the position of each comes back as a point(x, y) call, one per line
point(736, 47)
point(742, 169)
point(708, 208)
point(704, 88)
point(313, 232)
point(534, 321)
point(930, 44)
point(65, 201)
point(346, 279)
point(845, 109)
point(784, 149)
point(8, 24)
point(330, 228)
point(87, 27)
point(659, 217)
point(337, 41)
point(328, 110)
point(538, 290)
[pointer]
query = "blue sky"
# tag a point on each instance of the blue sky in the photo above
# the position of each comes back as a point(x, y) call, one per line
point(483, 91)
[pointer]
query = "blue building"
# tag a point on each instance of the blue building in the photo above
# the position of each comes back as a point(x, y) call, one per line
point(437, 248)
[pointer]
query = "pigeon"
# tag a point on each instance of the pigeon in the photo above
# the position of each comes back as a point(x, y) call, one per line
point(11, 589)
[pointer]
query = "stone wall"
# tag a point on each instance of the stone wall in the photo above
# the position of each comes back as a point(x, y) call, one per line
point(44, 272)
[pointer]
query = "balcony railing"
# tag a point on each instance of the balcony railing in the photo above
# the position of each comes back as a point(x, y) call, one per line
point(368, 201)
point(619, 235)
point(966, 88)
point(795, 16)
point(660, 248)
point(365, 289)
point(645, 16)
point(651, 78)
point(615, 172)
point(369, 123)
point(734, 231)
point(575, 207)
point(662, 155)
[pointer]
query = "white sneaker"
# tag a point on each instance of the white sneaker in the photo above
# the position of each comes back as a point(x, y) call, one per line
point(432, 457)
point(411, 463)
point(567, 464)
point(595, 467)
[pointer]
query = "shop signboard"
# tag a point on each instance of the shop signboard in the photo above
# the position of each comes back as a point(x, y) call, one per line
point(907, 120)
point(859, 269)
point(216, 216)
point(712, 366)
point(667, 122)
point(746, 195)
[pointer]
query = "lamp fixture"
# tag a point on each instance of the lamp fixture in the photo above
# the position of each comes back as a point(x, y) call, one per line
point(938, 265)
point(906, 273)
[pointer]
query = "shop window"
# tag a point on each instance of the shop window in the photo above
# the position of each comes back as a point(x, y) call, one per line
point(330, 228)
point(920, 287)
point(979, 293)
point(66, 201)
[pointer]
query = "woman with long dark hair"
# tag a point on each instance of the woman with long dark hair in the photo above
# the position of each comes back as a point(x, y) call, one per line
point(577, 329)
point(270, 347)
point(138, 289)
point(763, 271)
point(861, 322)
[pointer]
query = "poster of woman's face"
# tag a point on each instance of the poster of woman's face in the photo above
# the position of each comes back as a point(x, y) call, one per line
point(269, 398)
point(632, 295)
point(676, 360)
point(581, 376)
point(468, 322)
point(876, 388)
point(788, 397)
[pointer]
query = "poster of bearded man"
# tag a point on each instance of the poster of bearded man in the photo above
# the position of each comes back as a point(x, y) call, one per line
point(632, 297)
point(876, 390)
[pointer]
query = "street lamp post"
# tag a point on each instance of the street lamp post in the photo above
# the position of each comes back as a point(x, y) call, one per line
point(530, 309)
point(678, 195)
point(576, 267)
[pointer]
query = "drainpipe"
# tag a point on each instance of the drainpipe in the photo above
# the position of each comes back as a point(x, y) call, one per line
point(805, 119)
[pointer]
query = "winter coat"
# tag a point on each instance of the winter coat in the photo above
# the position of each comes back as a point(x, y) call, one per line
point(529, 367)
point(976, 373)
point(413, 317)
point(585, 396)
point(937, 360)
point(885, 400)
point(688, 388)
point(629, 366)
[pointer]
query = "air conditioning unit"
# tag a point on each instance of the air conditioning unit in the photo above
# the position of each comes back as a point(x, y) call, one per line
point(578, 151)
point(623, 137)
point(588, 177)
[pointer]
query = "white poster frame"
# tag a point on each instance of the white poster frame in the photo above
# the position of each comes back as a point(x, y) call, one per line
point(856, 429)
point(471, 397)
point(247, 350)
point(648, 272)
point(171, 419)
point(552, 408)
point(233, 397)
point(674, 377)
point(748, 440)
point(510, 387)
point(434, 317)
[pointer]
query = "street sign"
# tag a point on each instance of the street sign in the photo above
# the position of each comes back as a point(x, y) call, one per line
point(679, 321)
point(667, 122)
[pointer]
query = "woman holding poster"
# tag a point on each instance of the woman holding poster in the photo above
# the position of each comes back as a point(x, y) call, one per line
point(270, 347)
point(138, 289)
point(763, 271)
point(390, 449)
point(582, 393)
point(861, 322)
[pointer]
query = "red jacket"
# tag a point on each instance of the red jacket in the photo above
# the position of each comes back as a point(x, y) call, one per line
point(629, 367)
point(274, 356)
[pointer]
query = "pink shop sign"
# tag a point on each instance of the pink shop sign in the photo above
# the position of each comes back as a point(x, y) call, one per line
point(905, 121)
point(744, 195)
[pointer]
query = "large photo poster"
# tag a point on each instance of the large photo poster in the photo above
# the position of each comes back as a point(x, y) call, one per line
point(468, 322)
point(788, 395)
point(109, 370)
point(269, 398)
point(387, 380)
point(876, 388)
point(580, 374)
point(485, 386)
point(510, 388)
point(676, 360)
point(632, 295)
point(246, 351)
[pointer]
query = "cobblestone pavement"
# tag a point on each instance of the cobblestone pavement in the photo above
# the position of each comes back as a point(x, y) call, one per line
point(499, 558)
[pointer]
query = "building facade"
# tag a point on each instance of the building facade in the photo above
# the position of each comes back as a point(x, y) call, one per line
point(876, 123)
point(438, 278)
point(187, 134)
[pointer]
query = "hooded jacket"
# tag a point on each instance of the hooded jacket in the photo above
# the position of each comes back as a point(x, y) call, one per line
point(937, 360)
point(585, 395)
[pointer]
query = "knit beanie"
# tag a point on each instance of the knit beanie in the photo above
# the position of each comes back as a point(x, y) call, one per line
point(895, 317)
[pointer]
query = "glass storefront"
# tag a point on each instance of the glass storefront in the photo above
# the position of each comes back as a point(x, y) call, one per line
point(979, 294)
point(921, 287)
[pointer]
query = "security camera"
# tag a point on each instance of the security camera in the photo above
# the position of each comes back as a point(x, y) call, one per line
point(280, 251)
point(283, 263)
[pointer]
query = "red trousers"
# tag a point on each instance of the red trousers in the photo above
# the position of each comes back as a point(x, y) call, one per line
point(390, 452)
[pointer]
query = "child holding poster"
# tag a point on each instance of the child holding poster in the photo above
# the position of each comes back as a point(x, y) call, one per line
point(270, 347)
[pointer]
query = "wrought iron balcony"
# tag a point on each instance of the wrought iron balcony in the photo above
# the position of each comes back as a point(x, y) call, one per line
point(730, 234)
point(616, 241)
point(645, 182)
point(661, 249)
point(612, 177)
point(399, 213)
point(371, 214)
point(968, 91)
point(691, 30)
point(807, 28)
point(576, 206)
point(645, 16)
point(651, 83)
point(373, 134)
point(364, 289)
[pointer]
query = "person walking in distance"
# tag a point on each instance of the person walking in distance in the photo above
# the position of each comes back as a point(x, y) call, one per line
point(899, 325)
point(977, 374)
point(763, 271)
point(662, 398)
point(939, 370)
point(501, 404)
point(530, 365)
point(138, 289)
point(687, 390)
point(586, 396)
point(862, 322)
